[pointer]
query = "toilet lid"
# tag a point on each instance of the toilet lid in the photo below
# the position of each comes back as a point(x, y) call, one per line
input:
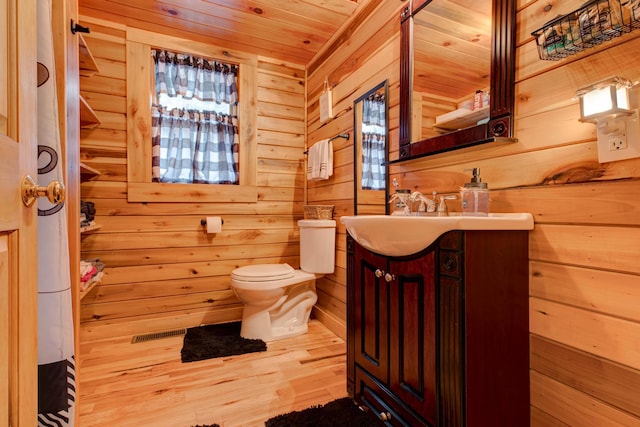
point(263, 272)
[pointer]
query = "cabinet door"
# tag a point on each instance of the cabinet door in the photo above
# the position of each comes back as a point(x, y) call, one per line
point(371, 316)
point(413, 334)
point(384, 405)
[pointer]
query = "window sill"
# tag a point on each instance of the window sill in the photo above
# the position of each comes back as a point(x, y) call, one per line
point(190, 193)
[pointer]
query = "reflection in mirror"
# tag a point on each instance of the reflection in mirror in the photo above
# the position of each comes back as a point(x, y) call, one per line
point(457, 72)
point(370, 151)
point(451, 64)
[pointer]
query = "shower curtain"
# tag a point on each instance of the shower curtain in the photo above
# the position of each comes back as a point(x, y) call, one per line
point(56, 364)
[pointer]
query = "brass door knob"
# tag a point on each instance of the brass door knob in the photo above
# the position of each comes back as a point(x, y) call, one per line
point(55, 191)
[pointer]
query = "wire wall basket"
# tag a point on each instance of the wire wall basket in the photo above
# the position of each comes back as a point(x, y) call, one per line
point(318, 212)
point(593, 23)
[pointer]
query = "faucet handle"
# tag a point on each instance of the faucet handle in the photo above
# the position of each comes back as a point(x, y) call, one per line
point(442, 206)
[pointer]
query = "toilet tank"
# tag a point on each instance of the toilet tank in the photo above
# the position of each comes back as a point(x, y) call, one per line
point(317, 245)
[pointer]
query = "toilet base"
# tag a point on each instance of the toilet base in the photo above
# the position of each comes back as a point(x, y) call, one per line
point(285, 317)
point(271, 334)
point(282, 332)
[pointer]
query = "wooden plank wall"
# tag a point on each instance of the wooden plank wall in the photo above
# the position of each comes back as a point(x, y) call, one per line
point(352, 70)
point(163, 272)
point(584, 274)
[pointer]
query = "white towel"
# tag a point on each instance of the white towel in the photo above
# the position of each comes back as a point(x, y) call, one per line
point(320, 160)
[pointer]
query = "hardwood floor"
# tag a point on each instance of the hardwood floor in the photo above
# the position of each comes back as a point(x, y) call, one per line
point(146, 384)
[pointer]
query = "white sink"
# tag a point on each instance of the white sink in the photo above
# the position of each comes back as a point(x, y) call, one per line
point(397, 235)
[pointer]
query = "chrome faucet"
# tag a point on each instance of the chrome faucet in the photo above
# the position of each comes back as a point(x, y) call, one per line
point(426, 204)
point(405, 203)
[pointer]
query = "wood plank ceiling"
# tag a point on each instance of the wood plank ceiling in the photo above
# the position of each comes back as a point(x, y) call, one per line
point(290, 30)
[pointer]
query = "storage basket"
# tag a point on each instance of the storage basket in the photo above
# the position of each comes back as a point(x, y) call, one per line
point(593, 23)
point(318, 212)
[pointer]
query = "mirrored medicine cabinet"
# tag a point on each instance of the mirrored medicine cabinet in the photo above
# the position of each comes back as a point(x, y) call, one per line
point(457, 71)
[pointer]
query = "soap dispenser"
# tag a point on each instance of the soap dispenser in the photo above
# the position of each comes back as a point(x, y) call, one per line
point(400, 200)
point(475, 196)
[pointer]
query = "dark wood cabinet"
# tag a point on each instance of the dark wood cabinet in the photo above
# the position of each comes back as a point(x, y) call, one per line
point(440, 338)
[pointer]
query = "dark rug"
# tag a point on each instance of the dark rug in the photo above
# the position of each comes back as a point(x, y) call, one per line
point(210, 341)
point(340, 412)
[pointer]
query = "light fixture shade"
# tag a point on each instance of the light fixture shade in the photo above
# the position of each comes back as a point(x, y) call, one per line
point(605, 98)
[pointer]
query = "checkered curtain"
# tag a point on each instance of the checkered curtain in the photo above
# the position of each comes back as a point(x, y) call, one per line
point(373, 142)
point(194, 146)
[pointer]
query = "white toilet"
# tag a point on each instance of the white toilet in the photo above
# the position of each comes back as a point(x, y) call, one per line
point(278, 299)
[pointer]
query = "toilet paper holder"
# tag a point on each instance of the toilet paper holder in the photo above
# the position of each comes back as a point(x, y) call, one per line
point(203, 222)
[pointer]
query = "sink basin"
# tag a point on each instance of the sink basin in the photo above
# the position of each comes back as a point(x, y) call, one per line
point(397, 235)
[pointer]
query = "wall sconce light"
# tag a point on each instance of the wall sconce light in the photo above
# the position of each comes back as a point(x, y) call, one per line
point(608, 105)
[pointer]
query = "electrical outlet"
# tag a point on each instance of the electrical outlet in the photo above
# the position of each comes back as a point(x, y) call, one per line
point(619, 138)
point(617, 142)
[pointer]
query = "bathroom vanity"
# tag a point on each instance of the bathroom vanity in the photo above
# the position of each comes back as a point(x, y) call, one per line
point(440, 337)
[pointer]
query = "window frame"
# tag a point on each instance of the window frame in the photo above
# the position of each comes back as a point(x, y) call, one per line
point(140, 187)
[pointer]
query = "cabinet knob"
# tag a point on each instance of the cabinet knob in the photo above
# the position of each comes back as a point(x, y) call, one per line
point(389, 277)
point(450, 263)
point(379, 273)
point(385, 416)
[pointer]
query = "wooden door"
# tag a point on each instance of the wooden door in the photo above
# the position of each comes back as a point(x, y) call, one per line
point(371, 317)
point(413, 334)
point(18, 232)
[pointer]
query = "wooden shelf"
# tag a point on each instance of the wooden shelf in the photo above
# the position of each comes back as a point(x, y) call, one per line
point(90, 228)
point(88, 117)
point(88, 173)
point(470, 119)
point(85, 292)
point(88, 64)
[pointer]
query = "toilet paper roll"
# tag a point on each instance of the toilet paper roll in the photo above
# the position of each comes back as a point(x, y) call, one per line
point(214, 224)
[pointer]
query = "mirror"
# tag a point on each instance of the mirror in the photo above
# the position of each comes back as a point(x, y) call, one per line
point(456, 55)
point(371, 133)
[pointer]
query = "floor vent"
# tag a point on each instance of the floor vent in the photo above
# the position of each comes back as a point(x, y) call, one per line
point(157, 336)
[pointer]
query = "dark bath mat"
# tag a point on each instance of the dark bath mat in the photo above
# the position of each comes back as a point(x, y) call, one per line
point(209, 341)
point(340, 412)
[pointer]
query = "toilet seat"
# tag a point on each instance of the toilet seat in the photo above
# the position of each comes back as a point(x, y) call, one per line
point(262, 272)
point(268, 276)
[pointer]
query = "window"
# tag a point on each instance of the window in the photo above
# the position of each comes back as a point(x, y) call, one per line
point(140, 90)
point(194, 120)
